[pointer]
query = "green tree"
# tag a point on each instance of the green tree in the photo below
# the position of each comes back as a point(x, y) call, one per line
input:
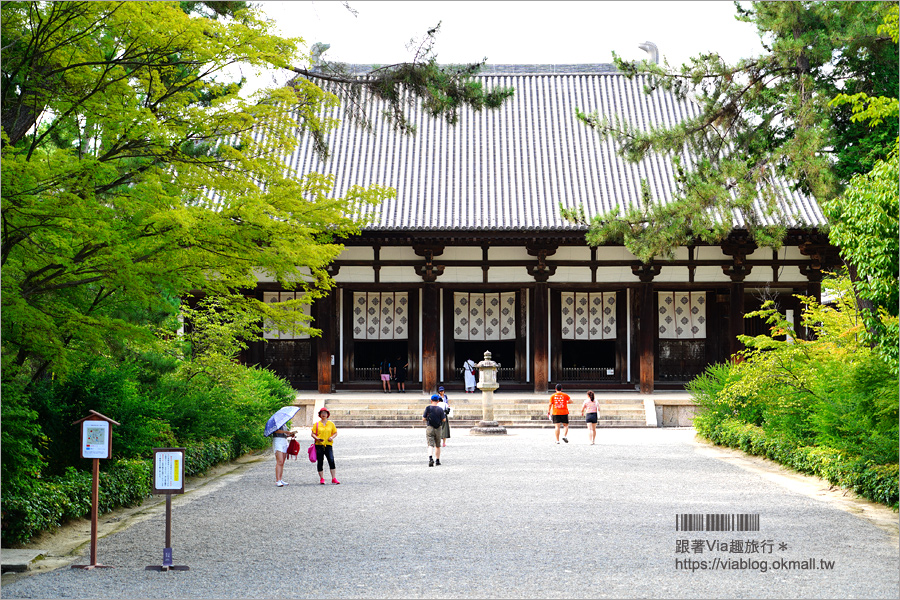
point(764, 126)
point(865, 221)
point(135, 172)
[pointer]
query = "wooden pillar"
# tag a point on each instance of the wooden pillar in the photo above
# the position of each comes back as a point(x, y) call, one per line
point(736, 318)
point(431, 314)
point(738, 246)
point(430, 336)
point(542, 271)
point(814, 285)
point(647, 338)
point(325, 346)
point(822, 256)
point(540, 367)
point(646, 333)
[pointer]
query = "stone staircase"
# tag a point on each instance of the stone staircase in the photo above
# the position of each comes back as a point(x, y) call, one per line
point(354, 409)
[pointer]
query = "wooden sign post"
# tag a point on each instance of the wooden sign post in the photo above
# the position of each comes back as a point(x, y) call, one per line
point(168, 479)
point(96, 443)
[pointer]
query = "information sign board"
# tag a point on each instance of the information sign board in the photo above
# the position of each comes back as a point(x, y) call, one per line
point(96, 441)
point(168, 470)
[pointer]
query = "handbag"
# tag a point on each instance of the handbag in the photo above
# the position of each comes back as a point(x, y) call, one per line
point(293, 448)
point(312, 452)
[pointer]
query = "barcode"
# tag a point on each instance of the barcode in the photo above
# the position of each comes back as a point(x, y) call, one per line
point(716, 522)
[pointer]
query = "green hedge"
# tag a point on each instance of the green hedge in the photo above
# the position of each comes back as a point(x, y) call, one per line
point(200, 457)
point(875, 482)
point(50, 502)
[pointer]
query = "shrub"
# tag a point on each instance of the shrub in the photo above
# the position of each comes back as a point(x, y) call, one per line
point(826, 406)
point(49, 503)
point(159, 400)
point(880, 483)
point(201, 456)
point(46, 504)
point(19, 438)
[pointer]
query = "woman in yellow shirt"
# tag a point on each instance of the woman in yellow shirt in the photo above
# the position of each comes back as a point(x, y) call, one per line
point(324, 432)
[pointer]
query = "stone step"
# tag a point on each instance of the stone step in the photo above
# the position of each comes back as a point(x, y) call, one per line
point(460, 413)
point(460, 406)
point(527, 419)
point(466, 424)
point(422, 402)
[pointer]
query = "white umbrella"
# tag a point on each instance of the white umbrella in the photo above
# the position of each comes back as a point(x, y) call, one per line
point(284, 414)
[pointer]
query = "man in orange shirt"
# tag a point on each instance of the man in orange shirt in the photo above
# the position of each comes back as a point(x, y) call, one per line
point(558, 411)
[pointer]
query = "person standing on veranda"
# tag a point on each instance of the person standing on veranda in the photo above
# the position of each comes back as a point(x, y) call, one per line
point(386, 376)
point(401, 367)
point(469, 373)
point(558, 411)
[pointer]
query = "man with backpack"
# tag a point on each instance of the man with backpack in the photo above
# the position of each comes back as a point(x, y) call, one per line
point(434, 418)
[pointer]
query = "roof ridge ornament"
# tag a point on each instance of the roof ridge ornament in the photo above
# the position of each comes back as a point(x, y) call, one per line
point(651, 49)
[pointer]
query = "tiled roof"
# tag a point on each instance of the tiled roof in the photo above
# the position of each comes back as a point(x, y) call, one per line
point(510, 168)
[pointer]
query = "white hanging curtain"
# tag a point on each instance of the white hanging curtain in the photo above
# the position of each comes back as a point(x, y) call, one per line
point(478, 316)
point(682, 315)
point(380, 315)
point(588, 315)
point(269, 330)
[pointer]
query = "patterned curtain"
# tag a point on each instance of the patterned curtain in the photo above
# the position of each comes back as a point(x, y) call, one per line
point(588, 315)
point(479, 317)
point(380, 315)
point(682, 315)
point(269, 332)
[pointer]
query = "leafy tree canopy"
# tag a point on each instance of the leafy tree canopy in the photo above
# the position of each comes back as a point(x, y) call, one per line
point(865, 221)
point(134, 172)
point(763, 124)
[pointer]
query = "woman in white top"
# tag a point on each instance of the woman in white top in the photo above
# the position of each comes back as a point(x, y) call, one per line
point(590, 405)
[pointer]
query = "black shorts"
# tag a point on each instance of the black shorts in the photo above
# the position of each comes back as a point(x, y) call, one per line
point(560, 419)
point(590, 418)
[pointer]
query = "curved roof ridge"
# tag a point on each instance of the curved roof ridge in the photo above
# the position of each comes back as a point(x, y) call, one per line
point(518, 69)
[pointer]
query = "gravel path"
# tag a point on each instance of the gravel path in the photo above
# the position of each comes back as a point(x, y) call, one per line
point(513, 516)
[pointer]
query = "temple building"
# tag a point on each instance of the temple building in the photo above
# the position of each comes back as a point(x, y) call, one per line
point(473, 255)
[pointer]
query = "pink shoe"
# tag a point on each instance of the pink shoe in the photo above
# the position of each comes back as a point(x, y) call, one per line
point(322, 481)
point(334, 481)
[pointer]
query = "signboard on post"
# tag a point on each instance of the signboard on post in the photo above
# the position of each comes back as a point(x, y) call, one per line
point(96, 441)
point(168, 479)
point(168, 470)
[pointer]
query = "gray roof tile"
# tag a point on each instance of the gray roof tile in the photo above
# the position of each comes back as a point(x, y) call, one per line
point(510, 168)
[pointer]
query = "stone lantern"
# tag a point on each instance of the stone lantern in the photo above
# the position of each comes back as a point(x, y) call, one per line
point(487, 383)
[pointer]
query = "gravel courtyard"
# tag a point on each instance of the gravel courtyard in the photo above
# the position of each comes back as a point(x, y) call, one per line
point(513, 516)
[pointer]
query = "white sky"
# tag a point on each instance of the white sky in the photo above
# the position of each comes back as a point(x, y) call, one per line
point(518, 32)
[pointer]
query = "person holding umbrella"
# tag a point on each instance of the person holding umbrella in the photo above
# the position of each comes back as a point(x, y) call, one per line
point(324, 432)
point(277, 427)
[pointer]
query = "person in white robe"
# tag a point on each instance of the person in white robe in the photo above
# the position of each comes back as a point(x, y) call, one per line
point(469, 371)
